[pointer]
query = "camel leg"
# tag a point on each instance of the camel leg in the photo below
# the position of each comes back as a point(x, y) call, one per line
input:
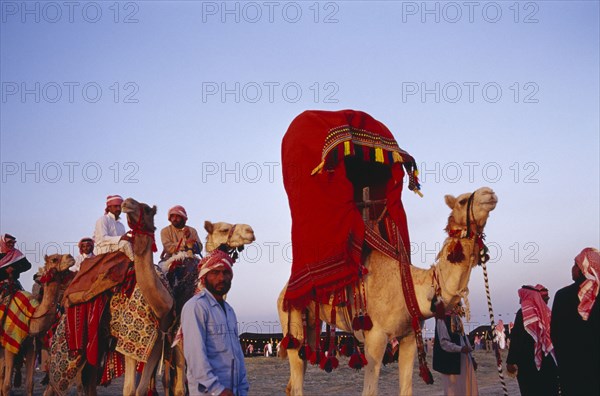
point(406, 359)
point(87, 380)
point(9, 361)
point(29, 369)
point(295, 328)
point(178, 380)
point(129, 381)
point(149, 369)
point(375, 344)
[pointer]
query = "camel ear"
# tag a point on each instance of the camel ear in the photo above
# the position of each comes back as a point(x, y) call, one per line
point(450, 201)
point(208, 226)
point(45, 257)
point(154, 210)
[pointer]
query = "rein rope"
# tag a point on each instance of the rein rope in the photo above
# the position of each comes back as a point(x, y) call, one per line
point(482, 259)
point(492, 326)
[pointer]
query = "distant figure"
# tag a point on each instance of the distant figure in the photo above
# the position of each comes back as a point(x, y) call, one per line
point(109, 233)
point(250, 350)
point(575, 327)
point(86, 250)
point(531, 353)
point(500, 335)
point(452, 354)
point(268, 349)
point(477, 342)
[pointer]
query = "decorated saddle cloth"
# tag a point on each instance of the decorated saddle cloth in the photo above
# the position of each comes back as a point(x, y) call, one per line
point(97, 274)
point(321, 152)
point(16, 312)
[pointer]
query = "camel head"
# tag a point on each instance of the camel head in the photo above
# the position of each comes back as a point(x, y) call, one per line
point(482, 202)
point(462, 249)
point(140, 218)
point(230, 235)
point(57, 263)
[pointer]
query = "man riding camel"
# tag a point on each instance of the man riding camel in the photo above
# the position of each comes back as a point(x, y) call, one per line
point(109, 233)
point(178, 236)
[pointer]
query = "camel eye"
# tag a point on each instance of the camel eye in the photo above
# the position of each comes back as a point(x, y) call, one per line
point(463, 201)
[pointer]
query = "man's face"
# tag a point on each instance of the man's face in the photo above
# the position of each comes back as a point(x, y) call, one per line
point(86, 247)
point(10, 243)
point(115, 210)
point(177, 221)
point(576, 272)
point(218, 281)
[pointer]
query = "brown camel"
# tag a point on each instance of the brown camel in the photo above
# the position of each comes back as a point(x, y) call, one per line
point(55, 271)
point(230, 238)
point(141, 220)
point(387, 307)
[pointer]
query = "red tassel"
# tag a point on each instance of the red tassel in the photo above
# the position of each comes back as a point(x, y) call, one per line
point(367, 322)
point(426, 375)
point(356, 323)
point(329, 364)
point(316, 357)
point(388, 356)
point(289, 342)
point(305, 352)
point(456, 254)
point(357, 361)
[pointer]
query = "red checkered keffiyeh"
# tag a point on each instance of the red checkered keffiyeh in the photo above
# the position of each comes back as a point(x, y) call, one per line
point(589, 263)
point(536, 320)
point(211, 261)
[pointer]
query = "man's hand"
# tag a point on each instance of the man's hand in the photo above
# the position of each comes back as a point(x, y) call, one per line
point(226, 392)
point(511, 368)
point(465, 349)
point(125, 237)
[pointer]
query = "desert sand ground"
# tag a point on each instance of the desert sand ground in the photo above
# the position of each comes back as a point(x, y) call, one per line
point(269, 376)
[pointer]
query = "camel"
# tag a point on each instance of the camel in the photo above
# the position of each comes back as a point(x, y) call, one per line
point(387, 308)
point(140, 218)
point(230, 238)
point(55, 270)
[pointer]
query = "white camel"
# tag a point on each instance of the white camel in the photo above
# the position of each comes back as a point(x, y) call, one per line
point(387, 307)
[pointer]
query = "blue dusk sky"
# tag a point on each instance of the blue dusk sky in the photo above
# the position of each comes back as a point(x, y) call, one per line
point(186, 102)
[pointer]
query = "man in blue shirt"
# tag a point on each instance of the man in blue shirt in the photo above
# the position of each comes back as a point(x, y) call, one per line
point(214, 356)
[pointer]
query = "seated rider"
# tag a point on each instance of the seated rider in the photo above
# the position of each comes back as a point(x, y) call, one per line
point(178, 237)
point(12, 264)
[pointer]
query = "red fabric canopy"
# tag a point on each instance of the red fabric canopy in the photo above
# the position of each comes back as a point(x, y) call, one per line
point(328, 231)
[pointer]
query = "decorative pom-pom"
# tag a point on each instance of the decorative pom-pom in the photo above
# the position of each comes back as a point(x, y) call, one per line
point(356, 323)
point(456, 254)
point(357, 361)
point(388, 356)
point(305, 352)
point(316, 357)
point(289, 342)
point(329, 364)
point(367, 322)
